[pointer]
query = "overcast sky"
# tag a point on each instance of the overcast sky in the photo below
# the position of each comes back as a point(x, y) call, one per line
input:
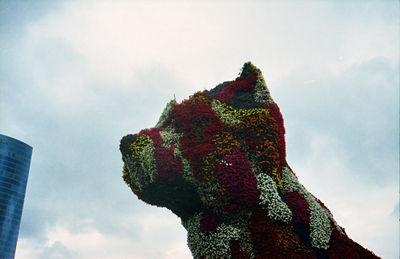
point(76, 76)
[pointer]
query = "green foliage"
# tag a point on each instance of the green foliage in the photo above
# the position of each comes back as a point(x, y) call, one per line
point(165, 113)
point(249, 68)
point(179, 196)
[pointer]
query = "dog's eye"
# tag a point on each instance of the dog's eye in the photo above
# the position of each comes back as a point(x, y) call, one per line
point(225, 163)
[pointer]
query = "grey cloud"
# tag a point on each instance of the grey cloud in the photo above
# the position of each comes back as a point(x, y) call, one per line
point(14, 15)
point(57, 251)
point(355, 114)
point(76, 166)
point(396, 210)
point(357, 108)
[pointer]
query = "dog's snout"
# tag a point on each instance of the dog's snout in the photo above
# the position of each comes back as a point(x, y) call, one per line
point(125, 144)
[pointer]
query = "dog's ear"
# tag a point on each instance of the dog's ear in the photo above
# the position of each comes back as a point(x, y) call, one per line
point(249, 68)
point(166, 112)
point(248, 91)
point(261, 92)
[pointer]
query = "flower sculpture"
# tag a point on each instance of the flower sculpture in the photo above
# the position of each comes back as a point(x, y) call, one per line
point(217, 160)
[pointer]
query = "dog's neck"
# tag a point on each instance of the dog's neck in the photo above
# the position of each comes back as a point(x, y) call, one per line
point(232, 234)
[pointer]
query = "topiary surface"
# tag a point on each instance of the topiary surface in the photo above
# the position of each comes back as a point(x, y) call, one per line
point(218, 161)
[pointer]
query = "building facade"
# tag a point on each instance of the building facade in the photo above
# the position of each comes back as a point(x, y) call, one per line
point(15, 159)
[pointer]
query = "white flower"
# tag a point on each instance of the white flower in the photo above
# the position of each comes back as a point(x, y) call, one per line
point(170, 137)
point(217, 244)
point(320, 219)
point(277, 209)
point(262, 94)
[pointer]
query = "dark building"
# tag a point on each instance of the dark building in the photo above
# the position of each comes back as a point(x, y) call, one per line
point(15, 159)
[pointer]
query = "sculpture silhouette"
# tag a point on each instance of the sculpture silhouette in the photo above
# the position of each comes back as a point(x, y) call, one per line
point(217, 160)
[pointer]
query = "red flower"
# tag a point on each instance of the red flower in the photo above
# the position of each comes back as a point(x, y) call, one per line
point(239, 85)
point(209, 222)
point(235, 172)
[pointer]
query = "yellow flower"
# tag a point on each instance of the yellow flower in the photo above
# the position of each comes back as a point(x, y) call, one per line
point(137, 146)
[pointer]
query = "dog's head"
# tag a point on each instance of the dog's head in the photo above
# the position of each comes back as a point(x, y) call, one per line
point(217, 160)
point(207, 152)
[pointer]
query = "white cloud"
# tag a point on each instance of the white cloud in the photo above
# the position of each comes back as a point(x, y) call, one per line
point(158, 237)
point(114, 39)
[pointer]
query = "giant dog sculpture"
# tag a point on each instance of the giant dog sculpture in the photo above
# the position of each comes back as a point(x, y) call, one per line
point(217, 160)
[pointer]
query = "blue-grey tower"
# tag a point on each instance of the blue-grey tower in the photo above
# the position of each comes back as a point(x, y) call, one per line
point(15, 159)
